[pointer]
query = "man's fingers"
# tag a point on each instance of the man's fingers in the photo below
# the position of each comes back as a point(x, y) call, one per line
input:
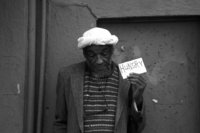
point(141, 80)
point(138, 84)
point(134, 75)
point(137, 79)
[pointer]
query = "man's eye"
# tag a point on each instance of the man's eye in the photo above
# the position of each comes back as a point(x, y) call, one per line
point(105, 53)
point(91, 54)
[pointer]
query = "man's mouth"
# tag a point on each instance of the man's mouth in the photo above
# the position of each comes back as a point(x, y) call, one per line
point(100, 67)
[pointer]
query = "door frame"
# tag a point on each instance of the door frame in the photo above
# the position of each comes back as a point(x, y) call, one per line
point(34, 87)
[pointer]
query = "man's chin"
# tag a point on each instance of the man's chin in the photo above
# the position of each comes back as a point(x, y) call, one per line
point(102, 73)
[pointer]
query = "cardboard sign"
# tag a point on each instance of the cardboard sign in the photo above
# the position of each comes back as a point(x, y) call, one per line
point(134, 66)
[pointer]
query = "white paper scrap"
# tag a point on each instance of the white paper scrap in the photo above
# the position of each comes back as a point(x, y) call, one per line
point(155, 100)
point(134, 66)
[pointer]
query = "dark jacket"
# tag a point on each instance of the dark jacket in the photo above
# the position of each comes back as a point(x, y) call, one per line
point(69, 104)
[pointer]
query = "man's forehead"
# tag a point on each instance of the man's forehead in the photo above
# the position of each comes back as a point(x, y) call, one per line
point(98, 47)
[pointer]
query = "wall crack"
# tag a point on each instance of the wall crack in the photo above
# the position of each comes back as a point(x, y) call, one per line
point(82, 4)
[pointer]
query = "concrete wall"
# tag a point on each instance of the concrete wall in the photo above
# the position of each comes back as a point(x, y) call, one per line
point(68, 19)
point(13, 51)
point(130, 8)
point(170, 53)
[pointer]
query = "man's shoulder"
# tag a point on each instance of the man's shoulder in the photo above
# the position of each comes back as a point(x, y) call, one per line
point(72, 68)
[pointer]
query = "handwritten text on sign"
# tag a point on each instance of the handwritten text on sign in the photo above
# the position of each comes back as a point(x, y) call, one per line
point(134, 66)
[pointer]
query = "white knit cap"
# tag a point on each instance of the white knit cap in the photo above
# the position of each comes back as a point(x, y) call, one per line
point(97, 36)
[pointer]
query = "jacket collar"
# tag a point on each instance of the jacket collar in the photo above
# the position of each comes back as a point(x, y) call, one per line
point(77, 82)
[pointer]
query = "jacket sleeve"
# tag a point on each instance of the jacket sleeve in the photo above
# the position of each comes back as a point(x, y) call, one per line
point(60, 123)
point(138, 117)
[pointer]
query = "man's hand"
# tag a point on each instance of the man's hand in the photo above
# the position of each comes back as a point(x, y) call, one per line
point(140, 83)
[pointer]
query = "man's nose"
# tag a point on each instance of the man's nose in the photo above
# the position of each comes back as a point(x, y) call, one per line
point(99, 59)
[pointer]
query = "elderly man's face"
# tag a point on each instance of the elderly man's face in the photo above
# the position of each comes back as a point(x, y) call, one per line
point(98, 58)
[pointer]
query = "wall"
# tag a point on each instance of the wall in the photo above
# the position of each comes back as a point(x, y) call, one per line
point(68, 19)
point(170, 53)
point(130, 8)
point(13, 48)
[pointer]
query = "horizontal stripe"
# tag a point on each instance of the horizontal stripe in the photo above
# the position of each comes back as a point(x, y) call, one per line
point(97, 87)
point(96, 105)
point(101, 115)
point(103, 83)
point(97, 125)
point(99, 95)
point(100, 105)
point(100, 92)
point(115, 75)
point(96, 110)
point(100, 100)
point(97, 120)
point(100, 88)
point(92, 117)
point(114, 79)
point(90, 131)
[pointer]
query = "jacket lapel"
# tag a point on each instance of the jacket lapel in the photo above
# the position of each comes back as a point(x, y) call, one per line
point(77, 89)
point(124, 86)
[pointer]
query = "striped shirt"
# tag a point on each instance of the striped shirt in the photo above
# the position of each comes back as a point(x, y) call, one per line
point(100, 101)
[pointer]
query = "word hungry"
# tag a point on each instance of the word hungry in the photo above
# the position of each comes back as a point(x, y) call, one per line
point(134, 66)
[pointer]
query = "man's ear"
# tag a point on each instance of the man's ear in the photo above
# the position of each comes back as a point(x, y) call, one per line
point(112, 49)
point(84, 52)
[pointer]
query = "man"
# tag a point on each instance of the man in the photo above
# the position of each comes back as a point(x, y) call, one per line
point(92, 96)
